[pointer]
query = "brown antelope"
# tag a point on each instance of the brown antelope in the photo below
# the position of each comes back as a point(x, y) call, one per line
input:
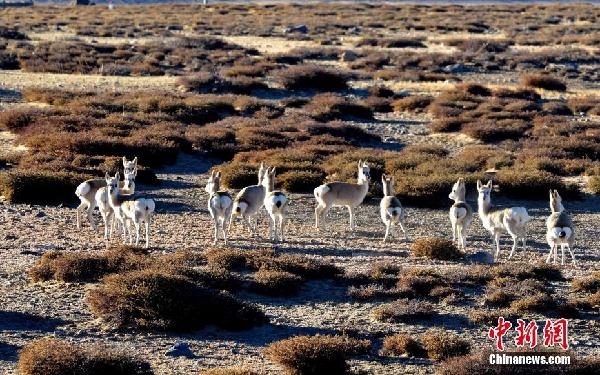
point(220, 204)
point(496, 220)
point(559, 229)
point(86, 192)
point(390, 207)
point(249, 201)
point(336, 194)
point(276, 204)
point(461, 213)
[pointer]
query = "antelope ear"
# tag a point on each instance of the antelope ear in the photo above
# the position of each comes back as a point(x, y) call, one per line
point(489, 184)
point(383, 178)
point(118, 176)
point(218, 174)
point(124, 162)
point(393, 179)
point(135, 161)
point(273, 171)
point(478, 184)
point(360, 163)
point(106, 176)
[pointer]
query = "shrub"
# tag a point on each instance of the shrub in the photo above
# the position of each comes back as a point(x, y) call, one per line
point(587, 283)
point(276, 283)
point(50, 356)
point(307, 77)
point(24, 186)
point(306, 355)
point(478, 363)
point(17, 119)
point(83, 267)
point(441, 344)
point(300, 181)
point(326, 107)
point(435, 248)
point(152, 299)
point(417, 103)
point(492, 131)
point(402, 345)
point(533, 184)
point(404, 310)
point(543, 81)
point(593, 185)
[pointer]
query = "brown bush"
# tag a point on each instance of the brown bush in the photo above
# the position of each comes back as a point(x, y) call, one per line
point(441, 344)
point(533, 184)
point(307, 77)
point(543, 81)
point(404, 310)
point(308, 355)
point(593, 185)
point(435, 248)
point(327, 107)
point(478, 363)
point(276, 283)
point(152, 299)
point(412, 103)
point(402, 345)
point(587, 284)
point(50, 356)
point(492, 131)
point(15, 120)
point(300, 181)
point(24, 186)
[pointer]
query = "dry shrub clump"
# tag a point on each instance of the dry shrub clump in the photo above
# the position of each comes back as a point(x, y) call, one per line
point(441, 344)
point(306, 355)
point(402, 345)
point(436, 248)
point(404, 310)
point(85, 267)
point(156, 300)
point(327, 107)
point(478, 363)
point(276, 283)
point(50, 356)
point(417, 103)
point(543, 81)
point(308, 77)
point(228, 371)
point(23, 186)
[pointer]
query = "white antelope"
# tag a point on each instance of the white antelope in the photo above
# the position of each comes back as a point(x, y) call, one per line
point(130, 208)
point(126, 187)
point(86, 192)
point(559, 229)
point(336, 194)
point(220, 204)
point(276, 204)
point(390, 207)
point(249, 201)
point(461, 213)
point(496, 220)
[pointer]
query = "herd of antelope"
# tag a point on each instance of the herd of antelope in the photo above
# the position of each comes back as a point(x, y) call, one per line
point(120, 207)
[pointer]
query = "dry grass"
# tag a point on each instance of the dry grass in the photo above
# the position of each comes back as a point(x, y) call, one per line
point(308, 355)
point(545, 82)
point(50, 356)
point(441, 344)
point(435, 248)
point(228, 371)
point(404, 310)
point(402, 345)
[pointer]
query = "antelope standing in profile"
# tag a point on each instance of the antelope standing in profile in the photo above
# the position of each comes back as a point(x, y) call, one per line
point(249, 201)
point(86, 192)
point(335, 194)
point(461, 213)
point(130, 208)
point(496, 220)
point(276, 203)
point(220, 204)
point(126, 187)
point(390, 207)
point(559, 229)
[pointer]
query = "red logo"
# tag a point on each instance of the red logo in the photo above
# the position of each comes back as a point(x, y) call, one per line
point(499, 332)
point(555, 333)
point(526, 334)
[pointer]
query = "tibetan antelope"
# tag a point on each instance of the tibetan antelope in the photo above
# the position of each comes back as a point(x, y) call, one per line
point(130, 208)
point(249, 201)
point(335, 194)
point(559, 229)
point(276, 203)
point(220, 204)
point(390, 208)
point(126, 187)
point(461, 213)
point(496, 220)
point(86, 192)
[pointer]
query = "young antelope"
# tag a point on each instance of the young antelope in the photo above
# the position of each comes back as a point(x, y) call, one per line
point(496, 220)
point(461, 213)
point(559, 229)
point(390, 207)
point(336, 194)
point(220, 204)
point(276, 203)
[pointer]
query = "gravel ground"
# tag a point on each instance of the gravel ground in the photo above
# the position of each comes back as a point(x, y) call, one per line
point(182, 222)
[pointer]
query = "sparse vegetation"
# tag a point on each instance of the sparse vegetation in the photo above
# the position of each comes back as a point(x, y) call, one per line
point(402, 345)
point(435, 248)
point(441, 344)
